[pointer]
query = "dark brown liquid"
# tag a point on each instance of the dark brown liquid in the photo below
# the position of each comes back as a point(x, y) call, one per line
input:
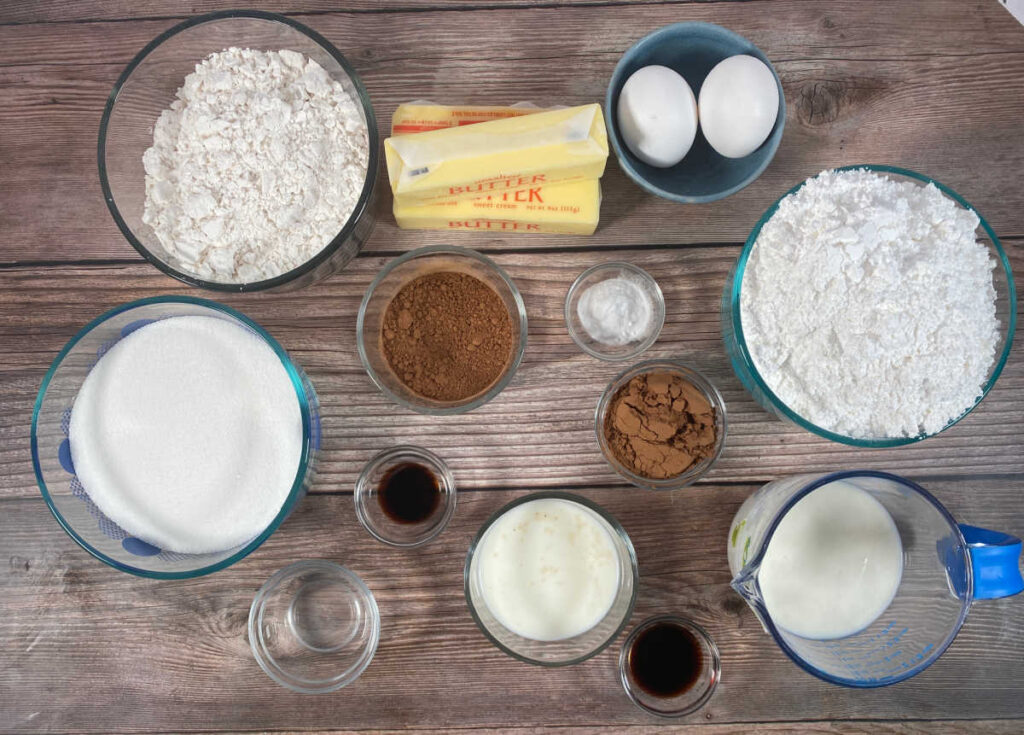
point(665, 660)
point(409, 493)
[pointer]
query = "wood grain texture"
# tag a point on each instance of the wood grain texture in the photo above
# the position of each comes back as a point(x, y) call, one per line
point(934, 86)
point(540, 430)
point(123, 654)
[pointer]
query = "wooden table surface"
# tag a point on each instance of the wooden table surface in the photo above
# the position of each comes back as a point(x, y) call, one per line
point(936, 86)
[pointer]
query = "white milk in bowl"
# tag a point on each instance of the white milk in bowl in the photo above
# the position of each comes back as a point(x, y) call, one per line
point(833, 564)
point(548, 569)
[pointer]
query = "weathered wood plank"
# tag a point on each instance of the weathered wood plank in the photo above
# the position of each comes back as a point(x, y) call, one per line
point(931, 727)
point(862, 86)
point(539, 430)
point(123, 654)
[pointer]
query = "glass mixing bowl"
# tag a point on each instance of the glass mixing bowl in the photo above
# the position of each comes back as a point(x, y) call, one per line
point(148, 86)
point(51, 449)
point(390, 281)
point(569, 650)
point(739, 353)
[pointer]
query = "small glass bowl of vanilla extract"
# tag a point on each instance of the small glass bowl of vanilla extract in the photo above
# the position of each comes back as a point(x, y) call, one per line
point(405, 496)
point(669, 666)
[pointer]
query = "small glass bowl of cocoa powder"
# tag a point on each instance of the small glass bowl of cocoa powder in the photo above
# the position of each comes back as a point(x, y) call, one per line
point(441, 330)
point(661, 424)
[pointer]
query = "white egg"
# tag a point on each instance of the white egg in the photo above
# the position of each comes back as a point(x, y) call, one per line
point(739, 102)
point(657, 116)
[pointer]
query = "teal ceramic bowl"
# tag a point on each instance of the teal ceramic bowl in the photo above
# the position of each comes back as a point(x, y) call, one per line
point(692, 50)
point(743, 364)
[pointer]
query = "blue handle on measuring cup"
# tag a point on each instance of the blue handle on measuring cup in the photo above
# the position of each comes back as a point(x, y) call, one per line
point(994, 558)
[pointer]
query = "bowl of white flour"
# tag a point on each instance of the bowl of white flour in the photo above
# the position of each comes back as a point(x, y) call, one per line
point(239, 151)
point(871, 305)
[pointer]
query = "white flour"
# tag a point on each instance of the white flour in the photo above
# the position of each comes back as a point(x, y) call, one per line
point(255, 167)
point(868, 306)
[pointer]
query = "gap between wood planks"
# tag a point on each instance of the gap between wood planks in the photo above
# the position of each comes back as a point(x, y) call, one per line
point(397, 8)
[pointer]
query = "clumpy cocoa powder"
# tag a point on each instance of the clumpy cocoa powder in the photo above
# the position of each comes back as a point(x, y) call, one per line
point(447, 336)
point(659, 425)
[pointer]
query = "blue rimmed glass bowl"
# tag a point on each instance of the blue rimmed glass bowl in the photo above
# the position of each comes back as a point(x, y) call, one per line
point(743, 365)
point(51, 449)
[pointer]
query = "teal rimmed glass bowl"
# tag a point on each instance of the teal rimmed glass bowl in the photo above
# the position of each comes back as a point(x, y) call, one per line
point(743, 364)
point(51, 450)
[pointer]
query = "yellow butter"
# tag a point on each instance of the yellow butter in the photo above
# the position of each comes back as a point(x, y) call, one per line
point(568, 209)
point(543, 148)
point(419, 117)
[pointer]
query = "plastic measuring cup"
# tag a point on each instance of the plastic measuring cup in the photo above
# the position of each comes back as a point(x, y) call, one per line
point(946, 567)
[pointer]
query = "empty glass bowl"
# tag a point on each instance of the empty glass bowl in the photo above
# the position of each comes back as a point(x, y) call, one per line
point(148, 86)
point(314, 627)
point(693, 377)
point(603, 272)
point(707, 662)
point(390, 281)
point(569, 650)
point(743, 364)
point(381, 525)
point(51, 449)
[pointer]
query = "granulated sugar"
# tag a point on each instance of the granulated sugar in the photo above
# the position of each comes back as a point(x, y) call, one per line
point(256, 166)
point(868, 306)
point(188, 434)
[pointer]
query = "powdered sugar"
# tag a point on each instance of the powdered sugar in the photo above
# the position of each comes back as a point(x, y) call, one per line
point(256, 166)
point(868, 306)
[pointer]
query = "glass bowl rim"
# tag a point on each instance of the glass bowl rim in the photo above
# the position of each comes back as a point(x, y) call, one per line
point(705, 385)
point(256, 635)
point(330, 248)
point(611, 520)
point(734, 287)
point(510, 371)
point(305, 457)
point(693, 27)
point(658, 315)
point(421, 454)
point(701, 634)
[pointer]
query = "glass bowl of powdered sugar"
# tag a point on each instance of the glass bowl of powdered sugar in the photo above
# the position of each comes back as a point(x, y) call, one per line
point(172, 436)
point(872, 306)
point(238, 151)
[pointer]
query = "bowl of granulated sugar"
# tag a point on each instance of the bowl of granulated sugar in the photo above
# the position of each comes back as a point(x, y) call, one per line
point(239, 151)
point(871, 305)
point(172, 436)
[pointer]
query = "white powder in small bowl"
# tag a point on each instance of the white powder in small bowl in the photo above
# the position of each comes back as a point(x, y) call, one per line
point(255, 167)
point(187, 433)
point(868, 306)
point(616, 311)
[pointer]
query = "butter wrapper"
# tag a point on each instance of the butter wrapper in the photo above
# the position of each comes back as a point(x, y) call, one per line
point(539, 149)
point(566, 209)
point(419, 117)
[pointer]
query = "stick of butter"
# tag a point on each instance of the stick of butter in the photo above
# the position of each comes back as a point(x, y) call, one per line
point(514, 153)
point(566, 209)
point(419, 117)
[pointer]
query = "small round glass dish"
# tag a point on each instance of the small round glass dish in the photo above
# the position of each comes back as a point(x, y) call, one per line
point(391, 279)
point(565, 651)
point(51, 447)
point(604, 272)
point(148, 86)
point(691, 376)
point(739, 352)
point(384, 526)
point(314, 627)
point(706, 663)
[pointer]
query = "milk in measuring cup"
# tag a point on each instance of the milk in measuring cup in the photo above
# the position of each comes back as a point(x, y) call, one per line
point(833, 564)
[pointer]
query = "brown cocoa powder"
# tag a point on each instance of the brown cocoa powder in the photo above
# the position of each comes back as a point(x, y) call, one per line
point(659, 425)
point(447, 336)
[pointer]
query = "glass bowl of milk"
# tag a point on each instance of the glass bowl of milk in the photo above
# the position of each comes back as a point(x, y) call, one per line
point(551, 579)
point(172, 436)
